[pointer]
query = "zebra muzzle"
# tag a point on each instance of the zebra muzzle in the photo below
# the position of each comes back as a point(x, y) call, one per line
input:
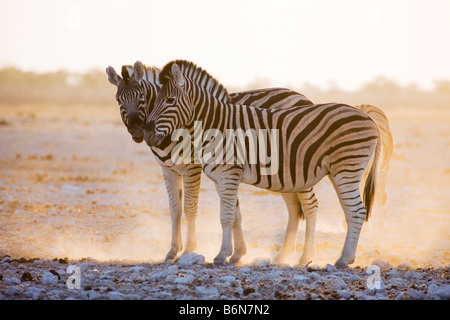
point(153, 138)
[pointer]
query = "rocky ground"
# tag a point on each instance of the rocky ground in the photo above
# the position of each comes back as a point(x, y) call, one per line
point(190, 278)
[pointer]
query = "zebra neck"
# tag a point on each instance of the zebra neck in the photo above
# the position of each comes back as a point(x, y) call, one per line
point(150, 92)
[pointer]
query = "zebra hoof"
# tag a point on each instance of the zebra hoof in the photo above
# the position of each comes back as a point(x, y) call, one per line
point(235, 261)
point(170, 260)
point(219, 262)
point(342, 263)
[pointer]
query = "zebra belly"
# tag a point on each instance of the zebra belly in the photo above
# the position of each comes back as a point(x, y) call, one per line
point(281, 181)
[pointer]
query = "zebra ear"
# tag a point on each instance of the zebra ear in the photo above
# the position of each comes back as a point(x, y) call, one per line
point(113, 77)
point(138, 70)
point(157, 72)
point(178, 77)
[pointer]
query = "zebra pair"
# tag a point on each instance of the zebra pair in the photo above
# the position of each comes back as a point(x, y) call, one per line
point(136, 104)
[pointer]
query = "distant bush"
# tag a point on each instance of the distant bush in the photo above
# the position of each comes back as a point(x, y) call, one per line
point(68, 88)
point(61, 87)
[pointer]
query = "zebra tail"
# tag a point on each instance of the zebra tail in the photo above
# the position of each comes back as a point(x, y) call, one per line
point(370, 185)
point(382, 122)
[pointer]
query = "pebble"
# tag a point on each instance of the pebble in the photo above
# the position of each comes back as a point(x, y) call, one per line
point(438, 292)
point(227, 278)
point(260, 262)
point(190, 259)
point(404, 265)
point(344, 294)
point(330, 268)
point(207, 292)
point(6, 259)
point(412, 275)
point(49, 277)
point(11, 281)
point(184, 280)
point(114, 295)
point(193, 279)
point(300, 278)
point(33, 292)
point(13, 291)
point(383, 264)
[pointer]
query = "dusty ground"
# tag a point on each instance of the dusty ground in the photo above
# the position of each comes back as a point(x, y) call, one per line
point(73, 184)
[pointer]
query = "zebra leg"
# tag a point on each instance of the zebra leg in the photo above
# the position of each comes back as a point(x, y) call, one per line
point(295, 212)
point(227, 188)
point(238, 237)
point(191, 186)
point(172, 181)
point(310, 205)
point(355, 214)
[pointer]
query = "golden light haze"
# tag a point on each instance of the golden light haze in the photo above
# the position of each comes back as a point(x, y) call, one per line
point(288, 42)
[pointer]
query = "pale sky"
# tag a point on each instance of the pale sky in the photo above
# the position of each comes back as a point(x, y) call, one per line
point(289, 42)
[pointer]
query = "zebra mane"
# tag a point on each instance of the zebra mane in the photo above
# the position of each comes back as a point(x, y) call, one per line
point(196, 74)
point(150, 74)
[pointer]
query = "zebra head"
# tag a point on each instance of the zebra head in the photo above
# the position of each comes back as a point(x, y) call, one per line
point(136, 94)
point(173, 107)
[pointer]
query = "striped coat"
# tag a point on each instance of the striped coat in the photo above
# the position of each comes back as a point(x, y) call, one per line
point(331, 139)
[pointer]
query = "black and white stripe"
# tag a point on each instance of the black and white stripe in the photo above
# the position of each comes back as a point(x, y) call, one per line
point(315, 140)
point(136, 92)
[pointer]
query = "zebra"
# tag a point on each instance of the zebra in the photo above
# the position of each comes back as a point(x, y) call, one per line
point(330, 139)
point(147, 78)
point(133, 105)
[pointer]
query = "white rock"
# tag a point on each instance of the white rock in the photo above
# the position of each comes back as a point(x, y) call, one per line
point(94, 295)
point(299, 295)
point(33, 292)
point(416, 294)
point(315, 276)
point(399, 283)
point(11, 281)
point(38, 262)
point(392, 272)
point(412, 275)
point(84, 266)
point(190, 259)
point(299, 277)
point(330, 268)
point(227, 278)
point(245, 270)
point(256, 277)
point(405, 265)
point(6, 259)
point(56, 294)
point(260, 262)
point(49, 277)
point(383, 264)
point(13, 291)
point(184, 280)
point(114, 295)
point(136, 269)
point(436, 292)
point(354, 277)
point(207, 293)
point(344, 294)
point(336, 283)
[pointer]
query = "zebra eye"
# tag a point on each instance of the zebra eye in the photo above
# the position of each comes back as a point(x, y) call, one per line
point(170, 100)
